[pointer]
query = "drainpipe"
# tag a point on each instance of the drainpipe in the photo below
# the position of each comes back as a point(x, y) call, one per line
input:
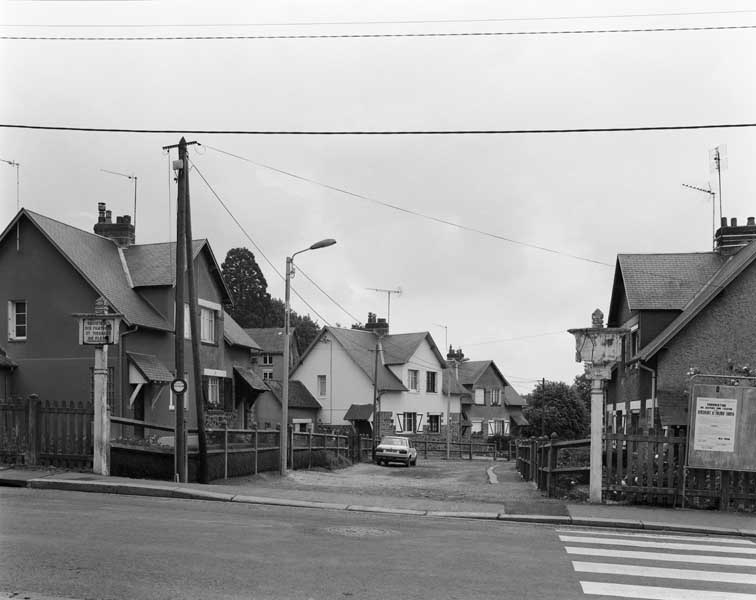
point(653, 386)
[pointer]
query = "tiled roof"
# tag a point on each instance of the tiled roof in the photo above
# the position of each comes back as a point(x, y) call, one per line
point(733, 267)
point(512, 398)
point(665, 281)
point(451, 384)
point(471, 370)
point(270, 339)
point(299, 395)
point(155, 264)
point(252, 379)
point(99, 262)
point(516, 415)
point(150, 367)
point(235, 335)
point(359, 412)
point(360, 346)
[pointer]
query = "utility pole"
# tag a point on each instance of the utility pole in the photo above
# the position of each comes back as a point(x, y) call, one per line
point(543, 406)
point(388, 294)
point(13, 163)
point(376, 416)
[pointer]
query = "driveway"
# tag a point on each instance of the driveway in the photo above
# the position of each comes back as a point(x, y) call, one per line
point(455, 483)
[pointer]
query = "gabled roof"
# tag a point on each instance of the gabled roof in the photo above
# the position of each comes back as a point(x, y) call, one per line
point(150, 367)
point(359, 412)
point(664, 281)
point(235, 335)
point(299, 395)
point(155, 264)
point(270, 339)
point(732, 267)
point(399, 348)
point(472, 370)
point(99, 262)
point(252, 379)
point(451, 385)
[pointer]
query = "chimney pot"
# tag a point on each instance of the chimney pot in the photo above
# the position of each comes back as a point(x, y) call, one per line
point(108, 216)
point(127, 219)
point(119, 219)
point(733, 222)
point(723, 222)
point(751, 221)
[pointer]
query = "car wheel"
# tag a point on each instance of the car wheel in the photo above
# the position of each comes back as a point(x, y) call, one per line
point(413, 462)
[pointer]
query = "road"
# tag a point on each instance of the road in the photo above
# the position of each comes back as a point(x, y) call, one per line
point(57, 544)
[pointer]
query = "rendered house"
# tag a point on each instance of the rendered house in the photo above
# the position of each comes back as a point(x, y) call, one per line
point(51, 270)
point(269, 360)
point(491, 406)
point(339, 370)
point(684, 311)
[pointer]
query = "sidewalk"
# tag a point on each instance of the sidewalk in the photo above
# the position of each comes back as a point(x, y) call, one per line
point(271, 492)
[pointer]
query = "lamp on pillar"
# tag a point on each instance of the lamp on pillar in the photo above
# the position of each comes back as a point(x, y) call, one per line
point(598, 347)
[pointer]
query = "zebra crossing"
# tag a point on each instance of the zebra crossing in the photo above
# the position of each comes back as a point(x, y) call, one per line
point(651, 566)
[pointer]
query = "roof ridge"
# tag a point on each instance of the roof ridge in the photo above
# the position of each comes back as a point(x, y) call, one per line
point(97, 235)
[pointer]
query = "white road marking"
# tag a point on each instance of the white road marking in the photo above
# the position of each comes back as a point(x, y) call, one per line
point(660, 572)
point(661, 545)
point(661, 556)
point(661, 536)
point(658, 593)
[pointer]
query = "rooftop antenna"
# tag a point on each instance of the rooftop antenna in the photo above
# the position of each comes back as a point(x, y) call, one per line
point(388, 293)
point(13, 163)
point(712, 195)
point(132, 176)
point(717, 162)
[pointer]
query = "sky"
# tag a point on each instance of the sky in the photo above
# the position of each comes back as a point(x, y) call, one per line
point(498, 243)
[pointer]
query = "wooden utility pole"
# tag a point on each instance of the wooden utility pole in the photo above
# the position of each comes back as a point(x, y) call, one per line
point(181, 467)
point(376, 416)
point(199, 390)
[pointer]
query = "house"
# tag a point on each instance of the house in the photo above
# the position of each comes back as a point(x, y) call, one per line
point(269, 360)
point(686, 312)
point(52, 271)
point(491, 405)
point(340, 366)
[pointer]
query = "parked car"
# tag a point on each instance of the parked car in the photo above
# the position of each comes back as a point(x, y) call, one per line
point(395, 448)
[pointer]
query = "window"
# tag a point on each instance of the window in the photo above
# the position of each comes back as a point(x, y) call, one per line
point(207, 325)
point(187, 323)
point(409, 422)
point(496, 397)
point(487, 398)
point(213, 393)
point(412, 380)
point(498, 427)
point(267, 359)
point(430, 382)
point(434, 423)
point(267, 374)
point(17, 319)
point(479, 396)
point(322, 386)
point(476, 426)
point(634, 342)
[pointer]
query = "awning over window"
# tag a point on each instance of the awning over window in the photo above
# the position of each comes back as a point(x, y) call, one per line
point(518, 417)
point(252, 379)
point(150, 367)
point(359, 412)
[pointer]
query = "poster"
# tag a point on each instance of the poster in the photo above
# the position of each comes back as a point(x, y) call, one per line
point(715, 424)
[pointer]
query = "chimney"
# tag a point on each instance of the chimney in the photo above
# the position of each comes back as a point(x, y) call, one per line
point(379, 326)
point(729, 240)
point(121, 232)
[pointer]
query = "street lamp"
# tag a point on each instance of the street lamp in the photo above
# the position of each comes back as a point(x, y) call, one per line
point(285, 384)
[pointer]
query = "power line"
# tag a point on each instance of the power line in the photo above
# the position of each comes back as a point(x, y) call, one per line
point(249, 237)
point(379, 131)
point(514, 339)
point(390, 22)
point(435, 34)
point(326, 294)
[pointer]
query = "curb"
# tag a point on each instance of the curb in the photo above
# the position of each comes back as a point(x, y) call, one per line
point(141, 489)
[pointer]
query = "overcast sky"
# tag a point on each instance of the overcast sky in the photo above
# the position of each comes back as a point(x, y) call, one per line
point(585, 195)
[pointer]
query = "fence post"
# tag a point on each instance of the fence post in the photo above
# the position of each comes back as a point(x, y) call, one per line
point(225, 450)
point(32, 430)
point(551, 476)
point(425, 449)
point(290, 433)
point(724, 492)
point(256, 446)
point(309, 449)
point(471, 449)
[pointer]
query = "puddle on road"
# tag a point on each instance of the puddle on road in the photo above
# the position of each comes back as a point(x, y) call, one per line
point(360, 532)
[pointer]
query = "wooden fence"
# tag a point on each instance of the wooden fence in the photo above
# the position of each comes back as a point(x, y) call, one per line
point(58, 433)
point(436, 448)
point(638, 469)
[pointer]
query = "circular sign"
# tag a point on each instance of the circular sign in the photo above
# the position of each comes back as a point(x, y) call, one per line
point(178, 386)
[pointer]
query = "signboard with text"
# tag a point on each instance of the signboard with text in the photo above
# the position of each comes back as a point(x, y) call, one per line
point(98, 331)
point(722, 428)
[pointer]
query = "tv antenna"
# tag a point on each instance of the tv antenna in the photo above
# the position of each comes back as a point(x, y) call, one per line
point(712, 195)
point(132, 176)
point(717, 162)
point(388, 293)
point(13, 163)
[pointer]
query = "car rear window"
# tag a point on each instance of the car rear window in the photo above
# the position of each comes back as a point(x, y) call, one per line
point(394, 441)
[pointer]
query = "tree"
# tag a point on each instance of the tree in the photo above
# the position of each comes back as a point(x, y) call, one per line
point(582, 388)
point(306, 329)
point(248, 287)
point(555, 408)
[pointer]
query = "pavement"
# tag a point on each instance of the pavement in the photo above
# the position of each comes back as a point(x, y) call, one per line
point(514, 505)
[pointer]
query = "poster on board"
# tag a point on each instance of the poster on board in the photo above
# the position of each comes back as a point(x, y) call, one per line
point(715, 424)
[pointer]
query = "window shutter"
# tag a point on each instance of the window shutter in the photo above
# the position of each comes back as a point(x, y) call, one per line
point(400, 421)
point(419, 424)
point(227, 390)
point(491, 428)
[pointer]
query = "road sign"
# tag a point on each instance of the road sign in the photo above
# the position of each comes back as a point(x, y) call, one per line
point(98, 331)
point(178, 386)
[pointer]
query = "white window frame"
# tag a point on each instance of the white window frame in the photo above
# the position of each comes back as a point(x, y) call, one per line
point(213, 392)
point(416, 420)
point(267, 359)
point(13, 320)
point(431, 376)
point(476, 426)
point(496, 397)
point(412, 377)
point(207, 325)
point(322, 386)
point(479, 396)
point(431, 418)
point(267, 375)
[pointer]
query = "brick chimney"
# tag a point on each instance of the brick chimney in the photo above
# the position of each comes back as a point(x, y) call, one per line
point(379, 326)
point(121, 232)
point(730, 239)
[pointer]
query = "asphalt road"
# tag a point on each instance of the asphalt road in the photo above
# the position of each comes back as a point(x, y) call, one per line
point(77, 545)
